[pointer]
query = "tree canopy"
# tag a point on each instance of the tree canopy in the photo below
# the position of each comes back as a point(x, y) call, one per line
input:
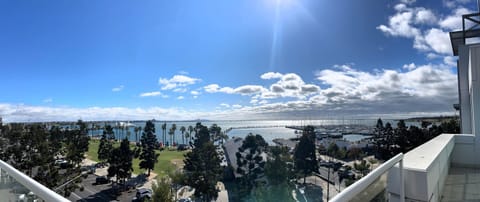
point(305, 155)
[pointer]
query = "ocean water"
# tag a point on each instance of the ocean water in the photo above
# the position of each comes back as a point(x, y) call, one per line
point(269, 129)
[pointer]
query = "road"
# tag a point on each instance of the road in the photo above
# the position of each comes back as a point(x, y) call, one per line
point(103, 192)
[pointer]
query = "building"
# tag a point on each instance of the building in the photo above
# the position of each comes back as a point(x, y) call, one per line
point(445, 168)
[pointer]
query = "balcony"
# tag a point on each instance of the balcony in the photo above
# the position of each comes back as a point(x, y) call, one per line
point(442, 169)
point(16, 186)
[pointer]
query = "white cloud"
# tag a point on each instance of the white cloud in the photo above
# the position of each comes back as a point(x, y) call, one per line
point(428, 30)
point(454, 3)
point(177, 81)
point(426, 81)
point(215, 88)
point(153, 94)
point(180, 98)
point(454, 21)
point(271, 75)
point(249, 89)
point(212, 88)
point(415, 89)
point(410, 66)
point(117, 89)
point(439, 41)
point(450, 60)
point(400, 24)
point(194, 92)
point(180, 90)
point(408, 1)
point(425, 16)
point(288, 85)
point(236, 106)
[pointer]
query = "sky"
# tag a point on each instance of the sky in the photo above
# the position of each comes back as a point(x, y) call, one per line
point(227, 60)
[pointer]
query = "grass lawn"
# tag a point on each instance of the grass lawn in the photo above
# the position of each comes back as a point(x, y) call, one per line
point(162, 167)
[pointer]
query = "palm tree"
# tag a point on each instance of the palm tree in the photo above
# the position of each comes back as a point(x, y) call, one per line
point(174, 128)
point(182, 129)
point(136, 130)
point(122, 128)
point(164, 132)
point(128, 131)
point(190, 131)
point(187, 136)
point(171, 133)
point(97, 128)
point(92, 126)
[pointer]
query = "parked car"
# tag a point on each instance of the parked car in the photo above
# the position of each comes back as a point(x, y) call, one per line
point(101, 180)
point(62, 163)
point(143, 193)
point(182, 147)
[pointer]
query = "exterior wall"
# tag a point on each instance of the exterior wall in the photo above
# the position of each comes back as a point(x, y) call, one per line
point(425, 170)
point(464, 151)
point(474, 65)
point(464, 90)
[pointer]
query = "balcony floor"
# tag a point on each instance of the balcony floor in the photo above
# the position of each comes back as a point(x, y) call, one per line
point(462, 184)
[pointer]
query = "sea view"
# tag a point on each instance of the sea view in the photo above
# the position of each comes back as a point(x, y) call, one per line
point(239, 101)
point(269, 129)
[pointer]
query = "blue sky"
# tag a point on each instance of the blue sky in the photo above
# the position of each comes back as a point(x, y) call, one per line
point(272, 59)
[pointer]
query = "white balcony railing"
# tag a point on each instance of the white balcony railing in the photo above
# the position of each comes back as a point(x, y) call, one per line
point(373, 183)
point(11, 177)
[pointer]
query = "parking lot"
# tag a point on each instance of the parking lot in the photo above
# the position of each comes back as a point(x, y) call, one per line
point(101, 192)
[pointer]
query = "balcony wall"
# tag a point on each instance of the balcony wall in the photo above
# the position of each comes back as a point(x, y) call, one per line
point(426, 167)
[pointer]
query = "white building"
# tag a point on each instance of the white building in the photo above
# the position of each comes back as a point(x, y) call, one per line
point(445, 168)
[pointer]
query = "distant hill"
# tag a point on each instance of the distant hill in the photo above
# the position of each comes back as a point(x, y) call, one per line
point(432, 119)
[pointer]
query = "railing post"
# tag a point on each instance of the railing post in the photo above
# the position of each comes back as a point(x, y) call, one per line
point(402, 182)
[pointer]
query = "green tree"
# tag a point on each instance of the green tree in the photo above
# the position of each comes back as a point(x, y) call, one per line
point(250, 161)
point(77, 143)
point(109, 132)
point(187, 136)
point(173, 129)
point(105, 147)
point(148, 157)
point(120, 161)
point(277, 168)
point(202, 166)
point(267, 193)
point(354, 153)
point(182, 130)
point(215, 132)
point(162, 191)
point(136, 130)
point(190, 131)
point(164, 133)
point(363, 167)
point(305, 156)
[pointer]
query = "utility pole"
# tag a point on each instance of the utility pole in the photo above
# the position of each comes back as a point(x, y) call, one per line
point(328, 183)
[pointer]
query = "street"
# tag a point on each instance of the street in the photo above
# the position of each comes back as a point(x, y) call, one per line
point(102, 192)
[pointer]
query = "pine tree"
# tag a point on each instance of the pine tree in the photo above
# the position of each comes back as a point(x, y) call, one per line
point(202, 166)
point(120, 161)
point(305, 155)
point(109, 132)
point(105, 147)
point(250, 161)
point(148, 157)
point(277, 170)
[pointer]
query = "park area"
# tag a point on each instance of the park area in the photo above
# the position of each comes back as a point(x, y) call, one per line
point(169, 160)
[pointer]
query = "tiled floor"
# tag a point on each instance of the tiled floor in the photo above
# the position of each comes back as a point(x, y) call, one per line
point(462, 184)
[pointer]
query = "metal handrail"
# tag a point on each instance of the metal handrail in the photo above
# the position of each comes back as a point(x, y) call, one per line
point(34, 186)
point(359, 186)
